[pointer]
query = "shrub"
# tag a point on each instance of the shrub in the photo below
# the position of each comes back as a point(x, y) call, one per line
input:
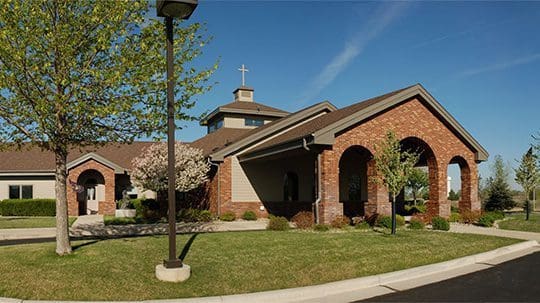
point(362, 225)
point(205, 216)
point(372, 220)
point(249, 215)
point(147, 209)
point(440, 223)
point(455, 217)
point(486, 220)
point(28, 207)
point(470, 217)
point(109, 220)
point(386, 221)
point(228, 216)
point(416, 224)
point(278, 223)
point(415, 209)
point(304, 220)
point(188, 215)
point(321, 227)
point(340, 222)
point(497, 215)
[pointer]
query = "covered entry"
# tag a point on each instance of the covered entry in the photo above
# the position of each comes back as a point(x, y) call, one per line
point(93, 183)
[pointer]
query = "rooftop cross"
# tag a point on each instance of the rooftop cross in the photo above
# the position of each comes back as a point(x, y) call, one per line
point(243, 70)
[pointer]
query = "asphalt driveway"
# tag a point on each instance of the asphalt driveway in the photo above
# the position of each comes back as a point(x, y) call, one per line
point(513, 281)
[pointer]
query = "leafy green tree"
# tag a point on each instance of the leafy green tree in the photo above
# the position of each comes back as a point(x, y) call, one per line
point(418, 180)
point(452, 195)
point(82, 73)
point(394, 166)
point(499, 196)
point(528, 176)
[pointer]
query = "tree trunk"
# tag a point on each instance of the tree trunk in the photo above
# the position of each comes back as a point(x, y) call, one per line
point(393, 214)
point(414, 196)
point(528, 209)
point(63, 246)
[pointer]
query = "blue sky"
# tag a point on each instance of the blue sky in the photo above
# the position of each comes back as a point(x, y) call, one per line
point(480, 60)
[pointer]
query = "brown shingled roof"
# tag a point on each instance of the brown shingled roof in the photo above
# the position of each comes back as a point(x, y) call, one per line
point(34, 159)
point(325, 120)
point(220, 138)
point(252, 106)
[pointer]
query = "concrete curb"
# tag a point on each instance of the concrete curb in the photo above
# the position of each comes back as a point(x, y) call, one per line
point(322, 291)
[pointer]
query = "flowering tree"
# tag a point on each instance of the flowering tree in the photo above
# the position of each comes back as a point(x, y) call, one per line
point(150, 168)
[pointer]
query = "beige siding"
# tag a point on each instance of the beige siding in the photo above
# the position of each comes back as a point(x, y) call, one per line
point(263, 181)
point(41, 188)
point(239, 122)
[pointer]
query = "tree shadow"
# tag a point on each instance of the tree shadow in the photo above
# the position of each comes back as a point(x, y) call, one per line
point(87, 243)
point(187, 246)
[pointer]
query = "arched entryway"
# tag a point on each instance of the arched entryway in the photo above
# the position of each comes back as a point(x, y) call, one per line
point(93, 184)
point(427, 162)
point(353, 180)
point(466, 188)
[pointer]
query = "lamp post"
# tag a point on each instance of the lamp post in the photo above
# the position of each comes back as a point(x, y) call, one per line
point(171, 268)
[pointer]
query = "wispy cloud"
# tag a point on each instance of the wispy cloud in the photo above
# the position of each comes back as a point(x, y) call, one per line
point(374, 26)
point(500, 65)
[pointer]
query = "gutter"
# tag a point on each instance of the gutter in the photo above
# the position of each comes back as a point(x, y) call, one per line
point(319, 192)
point(218, 172)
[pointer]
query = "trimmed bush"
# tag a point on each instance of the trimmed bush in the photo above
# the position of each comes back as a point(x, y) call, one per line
point(278, 223)
point(416, 224)
point(228, 216)
point(372, 220)
point(304, 220)
point(362, 225)
point(455, 217)
point(486, 220)
point(415, 209)
point(249, 215)
point(386, 221)
point(340, 222)
point(470, 217)
point(28, 207)
point(205, 216)
point(148, 209)
point(440, 223)
point(321, 227)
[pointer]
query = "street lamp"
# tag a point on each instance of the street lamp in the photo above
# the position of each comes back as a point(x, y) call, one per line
point(172, 269)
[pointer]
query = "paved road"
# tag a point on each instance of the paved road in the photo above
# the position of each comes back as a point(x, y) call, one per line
point(514, 281)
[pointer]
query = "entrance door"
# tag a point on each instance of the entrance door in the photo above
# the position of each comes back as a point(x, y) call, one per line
point(91, 197)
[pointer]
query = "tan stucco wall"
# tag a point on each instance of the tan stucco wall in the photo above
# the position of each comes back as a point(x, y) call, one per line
point(239, 122)
point(263, 181)
point(41, 188)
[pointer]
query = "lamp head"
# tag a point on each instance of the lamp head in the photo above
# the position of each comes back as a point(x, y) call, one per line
point(176, 8)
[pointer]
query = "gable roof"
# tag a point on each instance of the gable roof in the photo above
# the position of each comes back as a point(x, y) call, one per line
point(271, 128)
point(33, 159)
point(324, 129)
point(245, 107)
point(219, 139)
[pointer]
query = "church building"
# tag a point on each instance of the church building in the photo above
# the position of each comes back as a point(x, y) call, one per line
point(264, 159)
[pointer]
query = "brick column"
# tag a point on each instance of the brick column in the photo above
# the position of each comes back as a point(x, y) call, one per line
point(330, 207)
point(438, 204)
point(469, 187)
point(378, 202)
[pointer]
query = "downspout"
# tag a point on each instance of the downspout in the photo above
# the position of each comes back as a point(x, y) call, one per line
point(318, 200)
point(218, 185)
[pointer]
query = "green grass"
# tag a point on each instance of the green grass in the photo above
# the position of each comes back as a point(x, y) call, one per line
point(517, 222)
point(223, 263)
point(30, 222)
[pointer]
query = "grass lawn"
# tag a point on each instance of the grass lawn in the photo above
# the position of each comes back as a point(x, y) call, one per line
point(30, 222)
point(223, 263)
point(517, 222)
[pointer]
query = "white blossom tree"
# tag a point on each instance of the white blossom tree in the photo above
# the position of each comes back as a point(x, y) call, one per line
point(150, 168)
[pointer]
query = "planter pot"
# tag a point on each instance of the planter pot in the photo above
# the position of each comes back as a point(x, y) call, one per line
point(128, 213)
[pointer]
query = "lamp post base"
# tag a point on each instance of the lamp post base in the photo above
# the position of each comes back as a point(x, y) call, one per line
point(179, 274)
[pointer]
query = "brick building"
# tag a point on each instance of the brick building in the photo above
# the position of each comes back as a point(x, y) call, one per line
point(319, 159)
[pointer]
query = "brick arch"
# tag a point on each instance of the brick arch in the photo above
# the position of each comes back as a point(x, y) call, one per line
point(108, 206)
point(469, 183)
point(355, 160)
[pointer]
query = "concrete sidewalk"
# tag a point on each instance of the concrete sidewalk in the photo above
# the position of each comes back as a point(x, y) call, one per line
point(93, 226)
point(491, 231)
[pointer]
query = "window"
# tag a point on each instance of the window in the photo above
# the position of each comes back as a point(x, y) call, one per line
point(290, 187)
point(253, 122)
point(215, 126)
point(21, 191)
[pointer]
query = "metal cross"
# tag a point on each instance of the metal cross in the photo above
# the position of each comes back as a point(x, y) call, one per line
point(243, 70)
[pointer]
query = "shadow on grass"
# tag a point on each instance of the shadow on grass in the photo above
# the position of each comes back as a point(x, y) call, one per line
point(186, 248)
point(88, 243)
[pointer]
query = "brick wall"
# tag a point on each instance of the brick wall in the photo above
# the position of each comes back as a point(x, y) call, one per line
point(106, 207)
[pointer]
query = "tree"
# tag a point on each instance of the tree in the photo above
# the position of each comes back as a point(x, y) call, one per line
point(528, 176)
point(499, 196)
point(150, 168)
point(82, 73)
point(453, 196)
point(394, 166)
point(418, 180)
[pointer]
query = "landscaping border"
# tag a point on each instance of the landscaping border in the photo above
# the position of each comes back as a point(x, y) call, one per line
point(318, 292)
